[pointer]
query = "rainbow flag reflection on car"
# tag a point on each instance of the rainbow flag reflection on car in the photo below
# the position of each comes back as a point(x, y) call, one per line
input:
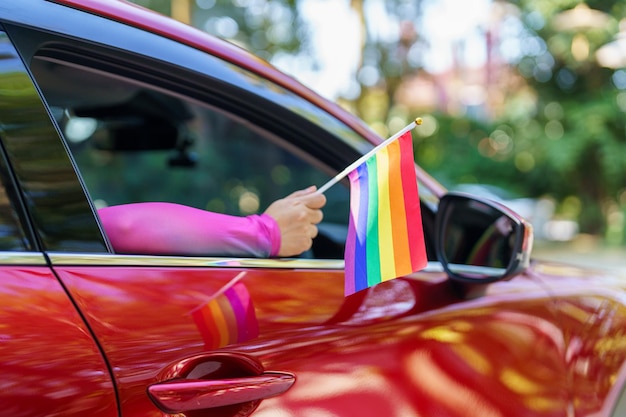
point(227, 318)
point(385, 237)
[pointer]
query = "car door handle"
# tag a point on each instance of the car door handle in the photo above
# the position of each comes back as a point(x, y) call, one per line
point(182, 395)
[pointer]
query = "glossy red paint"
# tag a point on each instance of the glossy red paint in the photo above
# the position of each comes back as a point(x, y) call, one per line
point(303, 315)
point(514, 354)
point(408, 344)
point(437, 366)
point(49, 358)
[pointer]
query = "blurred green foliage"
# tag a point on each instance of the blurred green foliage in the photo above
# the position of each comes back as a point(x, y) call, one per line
point(579, 129)
point(266, 27)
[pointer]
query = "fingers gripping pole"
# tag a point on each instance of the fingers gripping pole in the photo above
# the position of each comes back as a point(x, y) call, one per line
point(355, 164)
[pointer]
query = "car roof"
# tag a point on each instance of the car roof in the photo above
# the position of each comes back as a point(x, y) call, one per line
point(151, 21)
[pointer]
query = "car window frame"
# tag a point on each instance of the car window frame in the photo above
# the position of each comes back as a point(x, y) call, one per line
point(131, 52)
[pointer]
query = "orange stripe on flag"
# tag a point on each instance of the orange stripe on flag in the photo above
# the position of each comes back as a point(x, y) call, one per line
point(230, 320)
point(399, 231)
point(220, 322)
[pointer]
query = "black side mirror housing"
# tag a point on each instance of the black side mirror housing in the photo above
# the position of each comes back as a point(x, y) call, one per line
point(479, 240)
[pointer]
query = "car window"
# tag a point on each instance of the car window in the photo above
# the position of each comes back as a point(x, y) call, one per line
point(35, 162)
point(191, 129)
point(135, 141)
point(146, 145)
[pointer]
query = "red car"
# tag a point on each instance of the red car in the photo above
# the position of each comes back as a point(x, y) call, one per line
point(103, 102)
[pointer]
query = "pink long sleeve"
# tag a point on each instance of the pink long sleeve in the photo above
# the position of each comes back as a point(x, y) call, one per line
point(174, 229)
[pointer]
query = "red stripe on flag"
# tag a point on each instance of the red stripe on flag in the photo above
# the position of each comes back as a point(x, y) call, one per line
point(412, 204)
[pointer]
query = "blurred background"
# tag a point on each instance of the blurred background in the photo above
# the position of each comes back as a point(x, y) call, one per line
point(523, 101)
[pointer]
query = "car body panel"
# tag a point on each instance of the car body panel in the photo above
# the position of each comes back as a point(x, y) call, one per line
point(103, 327)
point(517, 352)
point(162, 300)
point(50, 360)
point(483, 359)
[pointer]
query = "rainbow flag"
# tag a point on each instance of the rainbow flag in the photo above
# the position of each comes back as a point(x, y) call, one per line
point(385, 237)
point(227, 318)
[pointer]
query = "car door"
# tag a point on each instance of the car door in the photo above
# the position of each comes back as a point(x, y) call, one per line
point(51, 364)
point(159, 318)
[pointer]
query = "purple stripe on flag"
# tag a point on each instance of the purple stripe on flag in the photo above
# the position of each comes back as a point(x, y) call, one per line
point(246, 316)
point(239, 311)
point(351, 239)
point(360, 257)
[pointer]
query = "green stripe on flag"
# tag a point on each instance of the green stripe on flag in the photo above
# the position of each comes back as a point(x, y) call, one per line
point(372, 240)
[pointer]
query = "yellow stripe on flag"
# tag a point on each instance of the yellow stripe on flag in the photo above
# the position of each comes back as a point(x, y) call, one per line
point(385, 237)
point(220, 322)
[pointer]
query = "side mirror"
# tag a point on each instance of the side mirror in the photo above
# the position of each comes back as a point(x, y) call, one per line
point(480, 240)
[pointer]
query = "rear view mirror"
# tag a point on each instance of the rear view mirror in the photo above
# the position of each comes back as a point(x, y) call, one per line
point(479, 240)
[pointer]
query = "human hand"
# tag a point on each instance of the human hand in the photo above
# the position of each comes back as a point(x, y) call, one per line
point(297, 216)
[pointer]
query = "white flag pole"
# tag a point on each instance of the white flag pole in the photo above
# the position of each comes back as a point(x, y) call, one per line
point(365, 157)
